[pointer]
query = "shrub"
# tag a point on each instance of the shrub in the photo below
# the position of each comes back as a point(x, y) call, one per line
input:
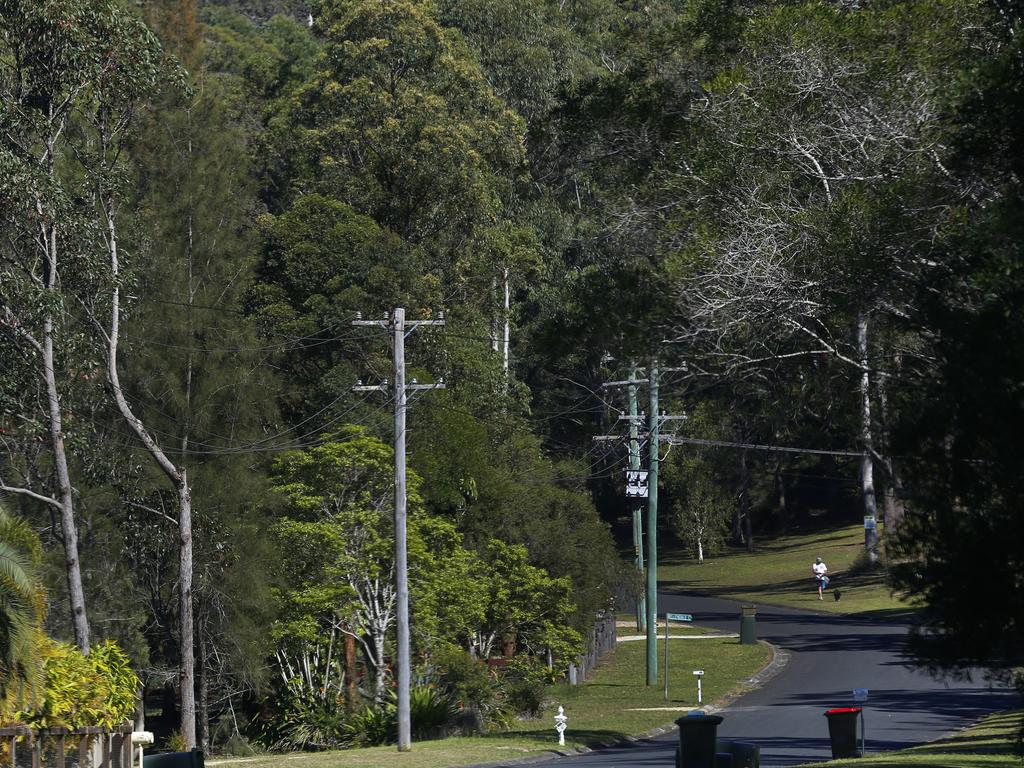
point(374, 725)
point(311, 723)
point(469, 681)
point(525, 685)
point(430, 710)
point(98, 689)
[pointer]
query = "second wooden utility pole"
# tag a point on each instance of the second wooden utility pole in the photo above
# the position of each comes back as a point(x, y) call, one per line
point(399, 330)
point(401, 546)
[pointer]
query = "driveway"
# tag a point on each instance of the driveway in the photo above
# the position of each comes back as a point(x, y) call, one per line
point(829, 656)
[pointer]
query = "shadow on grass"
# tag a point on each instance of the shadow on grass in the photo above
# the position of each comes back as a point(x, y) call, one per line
point(592, 737)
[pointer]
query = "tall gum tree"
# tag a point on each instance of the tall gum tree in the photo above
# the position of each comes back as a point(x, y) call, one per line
point(56, 58)
point(817, 177)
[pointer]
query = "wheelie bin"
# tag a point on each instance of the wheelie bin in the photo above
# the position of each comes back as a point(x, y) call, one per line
point(697, 736)
point(842, 731)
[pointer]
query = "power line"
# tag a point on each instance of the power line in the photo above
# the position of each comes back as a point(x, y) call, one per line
point(676, 440)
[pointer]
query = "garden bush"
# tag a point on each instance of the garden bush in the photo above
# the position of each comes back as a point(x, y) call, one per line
point(98, 689)
point(525, 685)
point(469, 680)
point(310, 723)
point(430, 710)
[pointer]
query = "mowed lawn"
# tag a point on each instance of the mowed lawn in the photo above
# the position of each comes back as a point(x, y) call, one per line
point(616, 703)
point(989, 744)
point(613, 704)
point(779, 572)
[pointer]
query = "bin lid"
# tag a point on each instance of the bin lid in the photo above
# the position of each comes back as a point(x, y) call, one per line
point(842, 710)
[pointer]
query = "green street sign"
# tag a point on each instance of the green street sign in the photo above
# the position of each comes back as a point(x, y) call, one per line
point(678, 617)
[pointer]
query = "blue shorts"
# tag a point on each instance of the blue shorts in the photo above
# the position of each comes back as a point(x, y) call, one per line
point(823, 580)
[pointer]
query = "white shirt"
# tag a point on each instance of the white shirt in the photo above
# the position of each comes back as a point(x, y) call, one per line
point(820, 569)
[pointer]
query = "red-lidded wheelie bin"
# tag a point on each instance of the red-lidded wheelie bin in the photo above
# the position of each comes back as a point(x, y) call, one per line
point(842, 731)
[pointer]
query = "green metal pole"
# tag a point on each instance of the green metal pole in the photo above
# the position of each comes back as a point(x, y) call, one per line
point(652, 532)
point(638, 526)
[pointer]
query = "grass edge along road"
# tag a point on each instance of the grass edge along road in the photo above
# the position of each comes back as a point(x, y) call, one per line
point(778, 572)
point(987, 744)
point(613, 704)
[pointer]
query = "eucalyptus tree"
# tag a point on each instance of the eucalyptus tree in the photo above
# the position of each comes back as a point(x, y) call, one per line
point(817, 177)
point(61, 64)
point(77, 76)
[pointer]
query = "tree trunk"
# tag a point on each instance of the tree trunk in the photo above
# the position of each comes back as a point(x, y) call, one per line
point(867, 473)
point(68, 524)
point(351, 682)
point(178, 478)
point(700, 551)
point(140, 709)
point(495, 342)
point(744, 503)
point(204, 695)
point(507, 330)
point(188, 668)
point(380, 674)
point(783, 506)
point(892, 507)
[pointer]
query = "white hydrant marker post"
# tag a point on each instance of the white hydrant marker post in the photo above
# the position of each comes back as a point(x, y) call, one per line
point(560, 721)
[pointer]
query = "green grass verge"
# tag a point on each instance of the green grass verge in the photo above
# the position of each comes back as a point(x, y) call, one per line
point(616, 703)
point(779, 572)
point(613, 704)
point(989, 744)
point(424, 754)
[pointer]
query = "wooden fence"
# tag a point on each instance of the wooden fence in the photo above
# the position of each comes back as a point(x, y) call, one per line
point(22, 747)
point(599, 641)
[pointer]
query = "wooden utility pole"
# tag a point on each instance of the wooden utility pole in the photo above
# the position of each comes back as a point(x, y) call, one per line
point(401, 546)
point(396, 324)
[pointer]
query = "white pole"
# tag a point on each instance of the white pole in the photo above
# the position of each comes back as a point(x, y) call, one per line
point(401, 561)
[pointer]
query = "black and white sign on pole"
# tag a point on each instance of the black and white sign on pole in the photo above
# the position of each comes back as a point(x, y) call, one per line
point(636, 483)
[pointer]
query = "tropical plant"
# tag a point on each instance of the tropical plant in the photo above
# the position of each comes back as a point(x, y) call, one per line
point(95, 690)
point(21, 609)
point(430, 710)
point(374, 724)
point(306, 721)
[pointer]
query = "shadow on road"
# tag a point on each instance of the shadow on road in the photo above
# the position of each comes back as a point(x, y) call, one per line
point(958, 705)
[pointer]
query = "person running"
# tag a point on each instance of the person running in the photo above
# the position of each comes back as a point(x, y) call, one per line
point(821, 574)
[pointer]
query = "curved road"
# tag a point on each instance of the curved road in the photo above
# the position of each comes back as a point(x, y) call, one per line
point(829, 657)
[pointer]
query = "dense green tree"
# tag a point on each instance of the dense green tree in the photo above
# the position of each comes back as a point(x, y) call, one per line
point(961, 411)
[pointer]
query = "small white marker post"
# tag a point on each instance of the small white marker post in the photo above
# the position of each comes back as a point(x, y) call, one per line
point(560, 725)
point(699, 673)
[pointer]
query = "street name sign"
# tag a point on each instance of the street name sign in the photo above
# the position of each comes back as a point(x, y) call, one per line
point(678, 617)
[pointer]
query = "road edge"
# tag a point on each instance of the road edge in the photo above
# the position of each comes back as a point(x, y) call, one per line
point(780, 657)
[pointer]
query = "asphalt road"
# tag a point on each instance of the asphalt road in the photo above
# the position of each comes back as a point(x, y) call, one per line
point(829, 657)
